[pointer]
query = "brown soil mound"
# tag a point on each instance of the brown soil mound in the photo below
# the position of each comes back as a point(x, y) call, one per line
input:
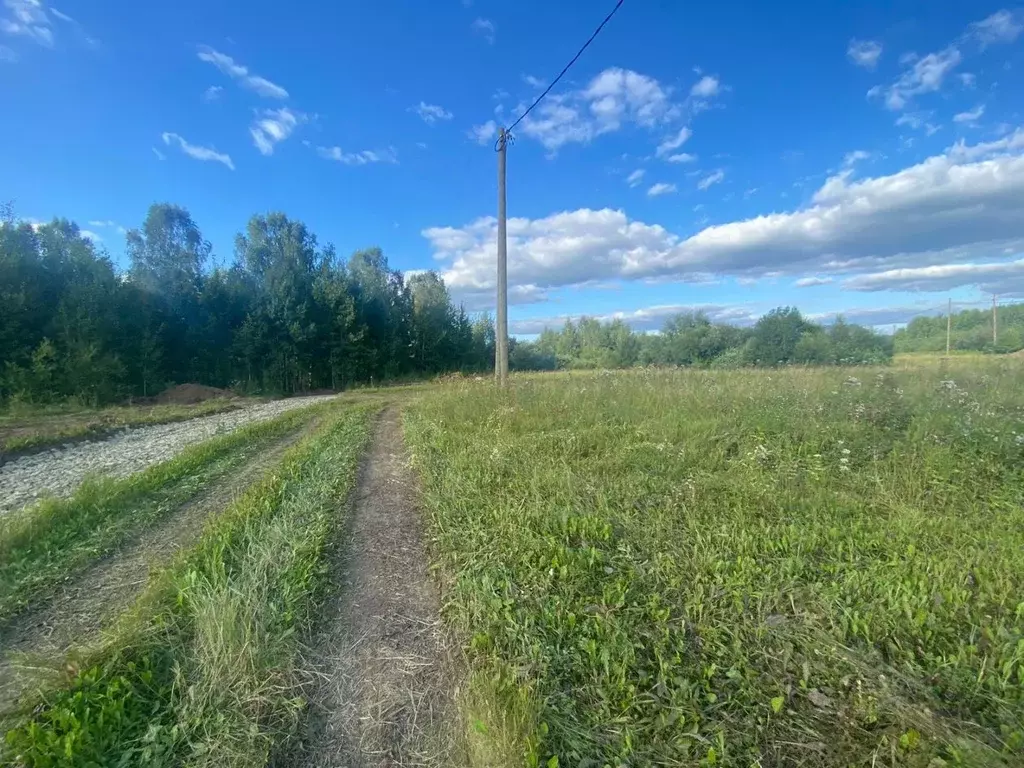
point(187, 394)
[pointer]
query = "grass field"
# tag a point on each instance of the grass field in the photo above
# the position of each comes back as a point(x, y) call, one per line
point(206, 669)
point(811, 567)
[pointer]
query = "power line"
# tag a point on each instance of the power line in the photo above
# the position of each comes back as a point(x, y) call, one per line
point(566, 67)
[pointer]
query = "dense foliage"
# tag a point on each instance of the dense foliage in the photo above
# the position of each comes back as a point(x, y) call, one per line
point(971, 330)
point(690, 339)
point(288, 315)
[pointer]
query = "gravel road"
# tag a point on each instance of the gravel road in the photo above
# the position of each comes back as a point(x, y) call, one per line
point(59, 471)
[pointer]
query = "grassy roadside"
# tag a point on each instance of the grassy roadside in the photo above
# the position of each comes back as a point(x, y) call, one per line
point(798, 567)
point(21, 434)
point(206, 672)
point(51, 541)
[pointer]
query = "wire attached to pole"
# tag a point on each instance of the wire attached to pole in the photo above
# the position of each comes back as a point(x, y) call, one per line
point(506, 136)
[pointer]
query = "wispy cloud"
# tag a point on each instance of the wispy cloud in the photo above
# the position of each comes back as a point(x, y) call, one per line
point(681, 157)
point(807, 282)
point(8, 54)
point(159, 155)
point(864, 53)
point(107, 224)
point(852, 158)
point(431, 113)
point(212, 93)
point(706, 87)
point(28, 18)
point(485, 28)
point(196, 152)
point(710, 180)
point(1001, 27)
point(241, 74)
point(971, 116)
point(674, 142)
point(366, 157)
point(661, 188)
point(635, 177)
point(273, 126)
point(482, 134)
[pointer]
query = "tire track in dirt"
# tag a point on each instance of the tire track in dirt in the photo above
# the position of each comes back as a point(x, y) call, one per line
point(384, 691)
point(34, 645)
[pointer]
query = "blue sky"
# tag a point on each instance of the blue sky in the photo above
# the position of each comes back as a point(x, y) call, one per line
point(860, 158)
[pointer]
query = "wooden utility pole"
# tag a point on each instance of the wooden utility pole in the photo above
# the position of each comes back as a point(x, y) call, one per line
point(995, 321)
point(949, 325)
point(501, 342)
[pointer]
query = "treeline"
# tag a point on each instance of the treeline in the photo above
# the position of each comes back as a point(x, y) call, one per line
point(781, 337)
point(971, 330)
point(287, 316)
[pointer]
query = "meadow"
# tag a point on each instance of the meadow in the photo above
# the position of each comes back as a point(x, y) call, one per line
point(745, 568)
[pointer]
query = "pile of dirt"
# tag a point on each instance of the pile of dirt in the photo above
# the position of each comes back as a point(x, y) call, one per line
point(189, 394)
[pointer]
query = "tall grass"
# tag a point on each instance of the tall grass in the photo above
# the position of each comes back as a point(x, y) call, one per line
point(206, 672)
point(49, 542)
point(797, 567)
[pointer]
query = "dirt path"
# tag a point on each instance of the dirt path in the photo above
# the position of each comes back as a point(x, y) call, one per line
point(36, 643)
point(385, 684)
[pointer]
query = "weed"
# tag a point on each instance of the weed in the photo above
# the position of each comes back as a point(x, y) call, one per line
point(205, 671)
point(739, 567)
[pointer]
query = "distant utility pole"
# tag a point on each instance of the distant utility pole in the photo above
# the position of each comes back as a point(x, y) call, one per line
point(949, 325)
point(501, 147)
point(501, 342)
point(995, 321)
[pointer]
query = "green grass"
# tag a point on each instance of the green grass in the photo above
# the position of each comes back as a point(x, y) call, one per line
point(49, 542)
point(739, 568)
point(207, 670)
point(22, 432)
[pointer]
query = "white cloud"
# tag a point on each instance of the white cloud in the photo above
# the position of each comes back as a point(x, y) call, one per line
point(108, 224)
point(926, 75)
point(158, 153)
point(534, 82)
point(967, 79)
point(482, 134)
point(28, 18)
point(864, 53)
point(241, 73)
point(89, 235)
point(1001, 27)
point(485, 28)
point(431, 113)
point(212, 93)
point(615, 97)
point(1006, 277)
point(661, 188)
point(272, 126)
point(674, 142)
point(965, 205)
point(852, 158)
point(706, 87)
point(199, 153)
point(635, 177)
point(7, 54)
point(365, 157)
point(681, 157)
point(710, 180)
point(970, 116)
point(807, 282)
point(645, 319)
